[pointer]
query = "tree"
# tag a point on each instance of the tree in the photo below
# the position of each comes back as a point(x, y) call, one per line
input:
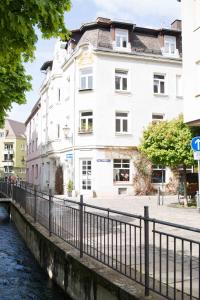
point(18, 22)
point(168, 143)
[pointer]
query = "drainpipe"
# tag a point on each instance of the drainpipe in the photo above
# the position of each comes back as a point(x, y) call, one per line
point(74, 124)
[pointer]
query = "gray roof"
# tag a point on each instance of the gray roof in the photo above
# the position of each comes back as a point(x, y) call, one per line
point(146, 40)
point(15, 128)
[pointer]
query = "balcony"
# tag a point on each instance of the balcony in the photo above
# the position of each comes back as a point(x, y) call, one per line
point(7, 163)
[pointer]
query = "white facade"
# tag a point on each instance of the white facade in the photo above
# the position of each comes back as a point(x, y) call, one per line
point(191, 60)
point(104, 100)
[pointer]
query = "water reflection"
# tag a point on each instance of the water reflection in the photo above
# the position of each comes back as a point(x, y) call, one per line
point(21, 277)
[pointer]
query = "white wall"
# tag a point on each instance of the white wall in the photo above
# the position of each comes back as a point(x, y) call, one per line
point(191, 59)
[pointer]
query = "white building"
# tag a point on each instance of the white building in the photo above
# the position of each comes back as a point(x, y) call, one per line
point(100, 92)
point(191, 60)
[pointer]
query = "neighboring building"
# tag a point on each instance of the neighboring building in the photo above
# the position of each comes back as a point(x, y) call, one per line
point(191, 60)
point(13, 149)
point(100, 92)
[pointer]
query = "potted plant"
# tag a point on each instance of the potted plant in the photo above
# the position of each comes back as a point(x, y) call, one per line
point(69, 187)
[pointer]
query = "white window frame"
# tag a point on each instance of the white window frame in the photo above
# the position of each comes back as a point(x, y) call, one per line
point(86, 73)
point(160, 81)
point(121, 170)
point(121, 36)
point(122, 119)
point(86, 118)
point(170, 46)
point(86, 174)
point(122, 74)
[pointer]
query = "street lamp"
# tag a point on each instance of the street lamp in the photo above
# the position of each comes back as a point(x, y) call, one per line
point(66, 131)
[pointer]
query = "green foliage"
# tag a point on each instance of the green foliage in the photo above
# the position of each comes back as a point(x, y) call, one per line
point(70, 186)
point(168, 143)
point(18, 22)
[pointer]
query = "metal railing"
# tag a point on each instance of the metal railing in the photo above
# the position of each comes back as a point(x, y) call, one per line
point(162, 256)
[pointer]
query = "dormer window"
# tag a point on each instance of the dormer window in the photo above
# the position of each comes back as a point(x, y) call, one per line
point(121, 39)
point(170, 46)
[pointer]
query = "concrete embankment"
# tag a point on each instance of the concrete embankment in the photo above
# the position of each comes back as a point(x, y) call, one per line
point(81, 278)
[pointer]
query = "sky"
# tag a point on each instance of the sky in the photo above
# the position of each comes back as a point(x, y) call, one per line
point(147, 13)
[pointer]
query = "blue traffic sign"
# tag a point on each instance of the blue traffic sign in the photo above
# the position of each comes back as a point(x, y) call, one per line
point(196, 143)
point(69, 155)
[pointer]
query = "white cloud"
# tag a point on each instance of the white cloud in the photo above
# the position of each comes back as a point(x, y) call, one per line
point(139, 9)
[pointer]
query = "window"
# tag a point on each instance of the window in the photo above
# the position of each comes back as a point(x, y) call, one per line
point(36, 171)
point(158, 174)
point(169, 45)
point(33, 146)
point(22, 147)
point(86, 169)
point(121, 38)
point(59, 94)
point(8, 146)
point(8, 169)
point(121, 170)
point(36, 144)
point(58, 131)
point(86, 121)
point(179, 91)
point(121, 80)
point(159, 84)
point(86, 79)
point(121, 122)
point(1, 134)
point(157, 118)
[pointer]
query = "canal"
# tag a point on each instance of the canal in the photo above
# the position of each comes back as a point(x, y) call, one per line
point(21, 278)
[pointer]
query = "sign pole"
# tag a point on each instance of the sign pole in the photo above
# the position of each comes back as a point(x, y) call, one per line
point(195, 144)
point(198, 204)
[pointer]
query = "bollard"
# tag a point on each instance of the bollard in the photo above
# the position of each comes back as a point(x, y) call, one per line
point(146, 248)
point(198, 201)
point(81, 224)
point(159, 196)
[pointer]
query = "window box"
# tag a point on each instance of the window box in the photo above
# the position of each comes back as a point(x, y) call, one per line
point(85, 90)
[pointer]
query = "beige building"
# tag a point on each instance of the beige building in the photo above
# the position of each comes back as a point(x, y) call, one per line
point(13, 149)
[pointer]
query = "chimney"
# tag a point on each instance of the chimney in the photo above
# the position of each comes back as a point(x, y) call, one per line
point(177, 25)
point(104, 21)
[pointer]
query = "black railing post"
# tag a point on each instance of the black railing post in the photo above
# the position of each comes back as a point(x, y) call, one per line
point(81, 225)
point(50, 211)
point(25, 202)
point(35, 204)
point(7, 189)
point(146, 248)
